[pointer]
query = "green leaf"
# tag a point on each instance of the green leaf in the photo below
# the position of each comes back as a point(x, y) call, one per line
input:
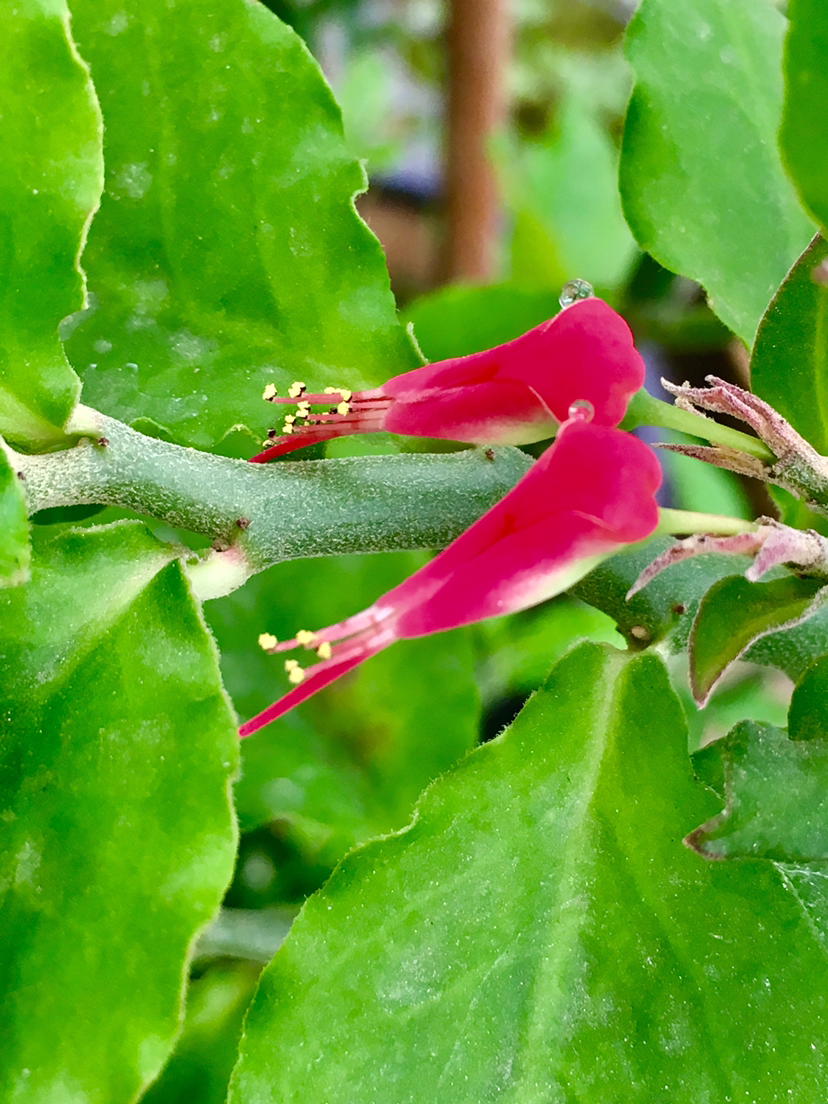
point(563, 191)
point(50, 182)
point(789, 365)
point(735, 613)
point(227, 253)
point(540, 933)
point(776, 798)
point(117, 835)
point(702, 182)
point(14, 528)
point(804, 134)
point(352, 761)
point(806, 715)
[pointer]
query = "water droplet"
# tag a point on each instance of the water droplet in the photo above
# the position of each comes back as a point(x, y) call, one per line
point(573, 290)
point(581, 410)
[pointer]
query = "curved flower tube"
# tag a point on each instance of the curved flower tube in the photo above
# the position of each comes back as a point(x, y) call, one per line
point(591, 493)
point(513, 394)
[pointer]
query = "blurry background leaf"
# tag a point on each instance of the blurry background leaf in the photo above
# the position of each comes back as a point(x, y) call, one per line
point(562, 189)
point(536, 932)
point(804, 134)
point(117, 837)
point(702, 181)
point(458, 320)
point(227, 253)
point(50, 182)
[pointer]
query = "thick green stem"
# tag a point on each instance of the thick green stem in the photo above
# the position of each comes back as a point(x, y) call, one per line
point(646, 410)
point(262, 514)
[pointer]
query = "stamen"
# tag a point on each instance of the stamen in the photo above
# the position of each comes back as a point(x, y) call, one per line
point(268, 641)
point(269, 393)
point(305, 637)
point(287, 428)
point(290, 418)
point(324, 650)
point(343, 409)
point(296, 389)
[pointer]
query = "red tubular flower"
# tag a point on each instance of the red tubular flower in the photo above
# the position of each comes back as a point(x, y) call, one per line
point(510, 395)
point(591, 493)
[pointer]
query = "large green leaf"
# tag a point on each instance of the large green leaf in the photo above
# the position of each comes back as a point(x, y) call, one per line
point(227, 252)
point(117, 835)
point(789, 365)
point(777, 798)
point(14, 527)
point(702, 181)
point(351, 762)
point(50, 182)
point(807, 718)
point(539, 933)
point(804, 135)
point(735, 613)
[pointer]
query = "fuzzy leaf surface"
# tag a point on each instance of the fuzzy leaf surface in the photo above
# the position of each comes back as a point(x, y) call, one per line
point(540, 934)
point(117, 837)
point(227, 253)
point(702, 181)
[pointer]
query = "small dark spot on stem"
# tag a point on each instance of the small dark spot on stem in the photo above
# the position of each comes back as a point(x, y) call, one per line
point(243, 523)
point(489, 454)
point(679, 608)
point(103, 441)
point(271, 433)
point(21, 475)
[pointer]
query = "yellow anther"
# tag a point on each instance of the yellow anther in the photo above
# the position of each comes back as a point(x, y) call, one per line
point(324, 650)
point(305, 637)
point(287, 427)
point(267, 641)
point(269, 392)
point(343, 408)
point(331, 391)
point(296, 389)
point(346, 395)
point(296, 675)
point(290, 418)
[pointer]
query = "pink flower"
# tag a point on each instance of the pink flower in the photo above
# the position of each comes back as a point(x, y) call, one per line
point(591, 493)
point(511, 395)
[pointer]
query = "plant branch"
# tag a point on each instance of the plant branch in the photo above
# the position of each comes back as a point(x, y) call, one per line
point(259, 515)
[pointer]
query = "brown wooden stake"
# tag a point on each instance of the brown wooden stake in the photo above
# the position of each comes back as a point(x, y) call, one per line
point(478, 42)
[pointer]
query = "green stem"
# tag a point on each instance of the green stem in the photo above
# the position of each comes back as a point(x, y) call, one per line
point(690, 521)
point(259, 514)
point(646, 410)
